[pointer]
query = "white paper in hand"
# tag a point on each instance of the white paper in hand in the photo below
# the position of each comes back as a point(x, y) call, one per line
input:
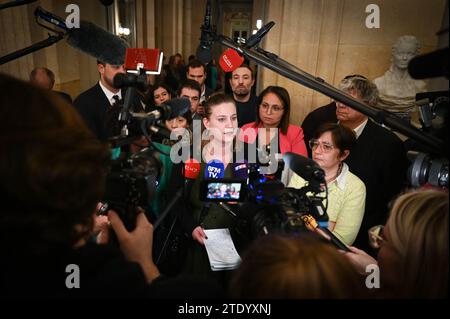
point(221, 251)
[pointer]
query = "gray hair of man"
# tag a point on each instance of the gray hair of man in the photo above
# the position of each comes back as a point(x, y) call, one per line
point(363, 87)
point(407, 39)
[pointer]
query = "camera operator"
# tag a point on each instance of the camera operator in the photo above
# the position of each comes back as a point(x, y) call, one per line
point(413, 247)
point(52, 176)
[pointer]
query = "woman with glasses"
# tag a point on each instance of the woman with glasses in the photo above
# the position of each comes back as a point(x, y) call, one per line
point(346, 192)
point(413, 247)
point(273, 123)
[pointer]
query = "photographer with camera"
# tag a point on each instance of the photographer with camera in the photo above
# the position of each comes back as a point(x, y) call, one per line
point(53, 173)
point(330, 146)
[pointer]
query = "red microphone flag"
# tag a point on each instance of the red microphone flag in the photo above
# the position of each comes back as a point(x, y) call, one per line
point(230, 60)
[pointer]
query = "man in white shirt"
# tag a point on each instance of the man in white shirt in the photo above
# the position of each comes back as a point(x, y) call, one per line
point(94, 103)
point(378, 157)
point(196, 71)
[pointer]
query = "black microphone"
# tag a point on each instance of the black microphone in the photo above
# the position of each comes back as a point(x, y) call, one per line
point(98, 42)
point(254, 39)
point(123, 80)
point(178, 106)
point(159, 130)
point(203, 52)
point(430, 65)
point(169, 110)
point(89, 38)
point(304, 167)
point(50, 18)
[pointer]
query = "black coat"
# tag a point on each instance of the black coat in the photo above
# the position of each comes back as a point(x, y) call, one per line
point(92, 106)
point(99, 116)
point(379, 160)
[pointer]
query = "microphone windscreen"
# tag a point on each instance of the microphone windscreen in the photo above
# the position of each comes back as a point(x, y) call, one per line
point(178, 106)
point(430, 65)
point(160, 131)
point(191, 168)
point(98, 43)
point(230, 60)
point(203, 54)
point(254, 39)
point(240, 170)
point(304, 167)
point(214, 169)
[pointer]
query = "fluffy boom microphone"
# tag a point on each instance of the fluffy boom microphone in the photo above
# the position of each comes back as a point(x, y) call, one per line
point(89, 38)
point(97, 42)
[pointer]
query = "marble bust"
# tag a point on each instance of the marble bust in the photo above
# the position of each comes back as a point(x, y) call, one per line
point(397, 88)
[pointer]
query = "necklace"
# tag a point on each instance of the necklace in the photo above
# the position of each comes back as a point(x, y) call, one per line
point(339, 171)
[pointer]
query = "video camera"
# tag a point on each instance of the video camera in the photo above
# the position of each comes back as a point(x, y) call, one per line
point(133, 178)
point(264, 205)
point(132, 183)
point(426, 166)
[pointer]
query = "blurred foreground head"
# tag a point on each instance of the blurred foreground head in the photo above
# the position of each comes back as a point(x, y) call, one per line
point(289, 267)
point(52, 170)
point(413, 256)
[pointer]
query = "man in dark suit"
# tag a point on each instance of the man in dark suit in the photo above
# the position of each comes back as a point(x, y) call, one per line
point(196, 71)
point(378, 157)
point(44, 78)
point(94, 104)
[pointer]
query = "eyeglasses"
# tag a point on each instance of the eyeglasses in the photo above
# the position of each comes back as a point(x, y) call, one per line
point(376, 238)
point(275, 108)
point(313, 144)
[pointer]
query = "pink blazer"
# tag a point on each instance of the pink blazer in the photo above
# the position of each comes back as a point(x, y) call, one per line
point(291, 142)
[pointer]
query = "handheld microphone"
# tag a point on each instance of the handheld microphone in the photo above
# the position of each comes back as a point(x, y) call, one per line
point(190, 173)
point(214, 169)
point(230, 60)
point(304, 167)
point(203, 52)
point(240, 170)
point(191, 169)
point(169, 110)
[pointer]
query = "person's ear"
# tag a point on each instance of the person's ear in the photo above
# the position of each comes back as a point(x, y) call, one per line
point(205, 122)
point(101, 68)
point(344, 155)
